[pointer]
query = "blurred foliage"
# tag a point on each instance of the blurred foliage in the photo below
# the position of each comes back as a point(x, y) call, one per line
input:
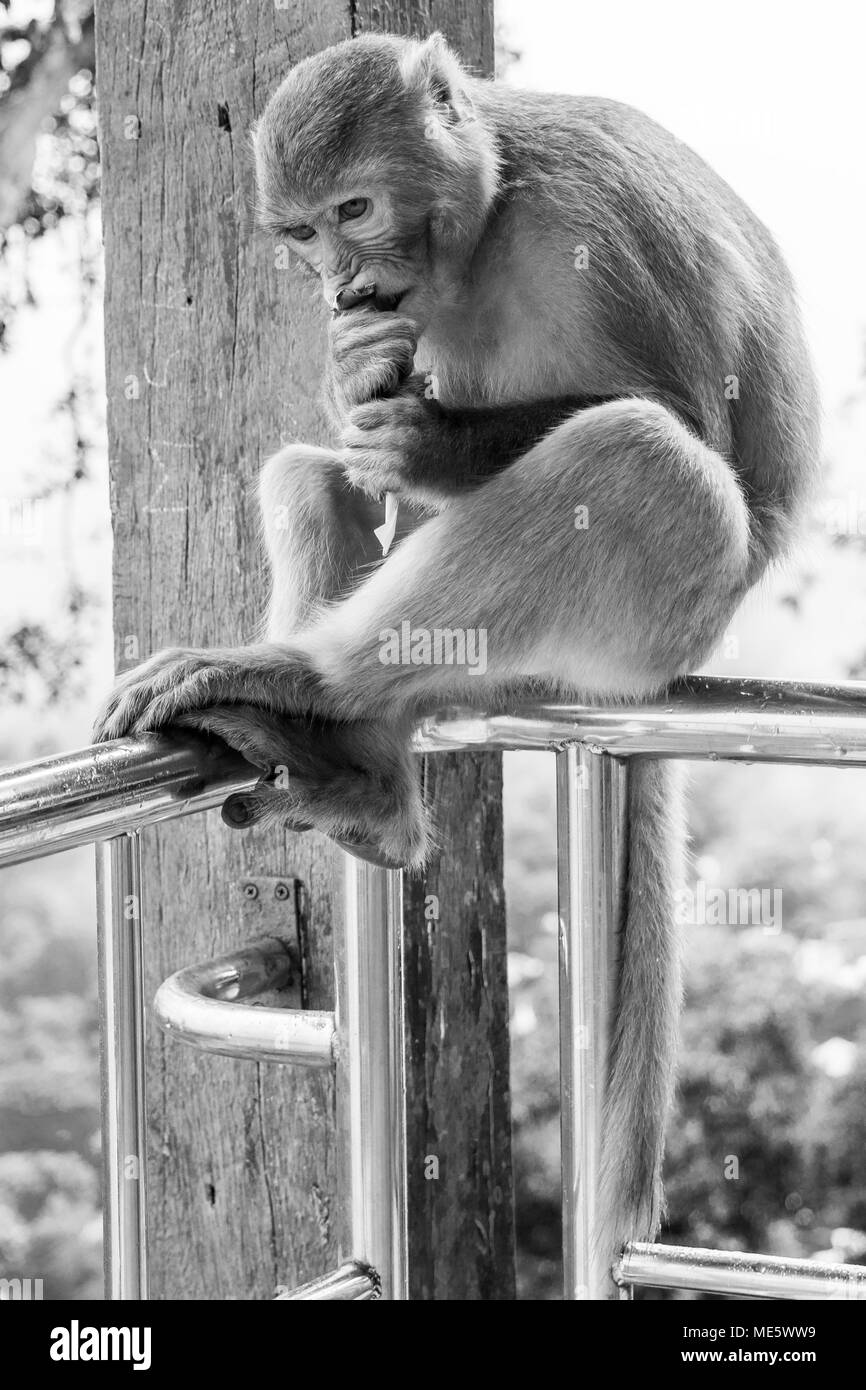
point(766, 1147)
point(48, 133)
point(49, 176)
point(38, 664)
point(49, 1223)
point(50, 1226)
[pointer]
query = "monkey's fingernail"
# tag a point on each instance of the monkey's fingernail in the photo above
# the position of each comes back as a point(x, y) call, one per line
point(238, 812)
point(348, 299)
point(369, 851)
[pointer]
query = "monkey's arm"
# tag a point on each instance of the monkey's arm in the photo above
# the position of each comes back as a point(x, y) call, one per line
point(396, 438)
point(416, 447)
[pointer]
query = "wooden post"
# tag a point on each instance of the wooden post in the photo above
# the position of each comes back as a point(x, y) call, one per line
point(214, 358)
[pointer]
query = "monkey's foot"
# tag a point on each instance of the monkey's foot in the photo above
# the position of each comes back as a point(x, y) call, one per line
point(181, 680)
point(355, 782)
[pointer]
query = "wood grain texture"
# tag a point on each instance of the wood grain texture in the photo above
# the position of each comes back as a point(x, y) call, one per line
point(214, 358)
point(461, 1224)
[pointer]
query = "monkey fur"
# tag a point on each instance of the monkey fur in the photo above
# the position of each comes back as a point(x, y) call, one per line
point(550, 303)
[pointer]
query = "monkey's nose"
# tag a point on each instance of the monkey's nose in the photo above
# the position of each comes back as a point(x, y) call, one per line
point(348, 298)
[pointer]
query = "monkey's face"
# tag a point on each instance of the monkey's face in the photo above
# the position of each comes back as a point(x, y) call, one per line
point(364, 242)
point(373, 165)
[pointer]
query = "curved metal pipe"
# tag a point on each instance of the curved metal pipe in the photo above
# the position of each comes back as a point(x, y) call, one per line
point(199, 1005)
point(353, 1282)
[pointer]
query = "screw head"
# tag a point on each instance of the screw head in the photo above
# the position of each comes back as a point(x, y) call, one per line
point(281, 891)
point(250, 890)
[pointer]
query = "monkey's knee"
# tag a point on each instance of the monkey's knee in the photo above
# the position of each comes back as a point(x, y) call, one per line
point(318, 533)
point(663, 537)
point(297, 488)
point(689, 539)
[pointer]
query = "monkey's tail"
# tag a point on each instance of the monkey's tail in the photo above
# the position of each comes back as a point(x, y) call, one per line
point(645, 1025)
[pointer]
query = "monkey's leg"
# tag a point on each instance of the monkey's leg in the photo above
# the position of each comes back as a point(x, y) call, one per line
point(608, 559)
point(319, 533)
point(320, 542)
point(617, 598)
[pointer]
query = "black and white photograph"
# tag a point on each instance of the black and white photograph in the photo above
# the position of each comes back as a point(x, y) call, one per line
point(432, 661)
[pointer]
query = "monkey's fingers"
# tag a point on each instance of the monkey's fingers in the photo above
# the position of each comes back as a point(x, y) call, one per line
point(287, 687)
point(348, 298)
point(249, 732)
point(356, 783)
point(132, 689)
point(263, 806)
point(372, 355)
point(246, 809)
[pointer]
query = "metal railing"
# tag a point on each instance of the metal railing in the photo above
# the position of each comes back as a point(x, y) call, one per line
point(112, 792)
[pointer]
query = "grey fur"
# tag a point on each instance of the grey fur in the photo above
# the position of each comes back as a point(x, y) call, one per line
point(693, 469)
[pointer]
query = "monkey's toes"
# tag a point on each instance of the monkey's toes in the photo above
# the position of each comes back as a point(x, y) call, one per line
point(347, 810)
point(371, 853)
point(241, 811)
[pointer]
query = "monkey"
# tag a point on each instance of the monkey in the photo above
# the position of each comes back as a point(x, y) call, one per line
point(541, 306)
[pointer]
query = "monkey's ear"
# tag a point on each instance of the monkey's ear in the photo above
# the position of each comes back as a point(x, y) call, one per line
point(434, 72)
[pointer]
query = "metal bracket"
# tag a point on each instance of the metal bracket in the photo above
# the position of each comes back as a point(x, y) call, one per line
point(273, 905)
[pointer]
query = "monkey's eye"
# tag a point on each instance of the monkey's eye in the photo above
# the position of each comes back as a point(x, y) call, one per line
point(301, 233)
point(354, 207)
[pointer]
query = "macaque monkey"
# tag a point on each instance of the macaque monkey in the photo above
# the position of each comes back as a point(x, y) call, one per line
point(574, 356)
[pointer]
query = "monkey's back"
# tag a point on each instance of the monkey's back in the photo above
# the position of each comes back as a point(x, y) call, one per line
point(685, 283)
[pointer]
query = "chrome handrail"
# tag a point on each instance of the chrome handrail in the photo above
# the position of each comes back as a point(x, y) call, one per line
point(93, 793)
point(708, 717)
point(111, 791)
point(730, 1272)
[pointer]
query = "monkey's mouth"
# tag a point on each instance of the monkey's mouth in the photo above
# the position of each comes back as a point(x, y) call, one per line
point(387, 303)
point(368, 295)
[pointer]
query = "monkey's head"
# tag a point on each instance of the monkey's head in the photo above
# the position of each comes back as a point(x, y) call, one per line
point(374, 166)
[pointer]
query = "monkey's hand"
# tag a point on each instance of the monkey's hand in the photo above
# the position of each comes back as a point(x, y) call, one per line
point(395, 445)
point(179, 680)
point(355, 781)
point(372, 353)
point(409, 444)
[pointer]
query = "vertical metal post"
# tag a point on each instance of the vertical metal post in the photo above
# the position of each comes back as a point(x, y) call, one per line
point(371, 1085)
point(591, 853)
point(118, 878)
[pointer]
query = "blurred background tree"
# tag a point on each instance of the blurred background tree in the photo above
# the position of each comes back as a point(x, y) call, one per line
point(53, 635)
